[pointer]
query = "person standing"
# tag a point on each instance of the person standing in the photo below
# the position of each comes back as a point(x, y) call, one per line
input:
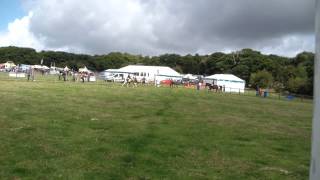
point(64, 75)
point(257, 90)
point(32, 74)
point(88, 76)
point(59, 75)
point(198, 85)
point(82, 77)
point(73, 76)
point(29, 73)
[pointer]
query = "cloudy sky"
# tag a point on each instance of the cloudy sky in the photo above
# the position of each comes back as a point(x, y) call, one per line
point(152, 27)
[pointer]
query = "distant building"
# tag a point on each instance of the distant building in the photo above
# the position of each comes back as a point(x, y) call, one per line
point(229, 82)
point(8, 65)
point(149, 73)
point(24, 67)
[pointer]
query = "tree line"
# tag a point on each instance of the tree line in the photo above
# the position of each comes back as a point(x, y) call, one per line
point(267, 71)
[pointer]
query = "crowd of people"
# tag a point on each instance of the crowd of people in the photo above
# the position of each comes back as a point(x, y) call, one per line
point(31, 72)
point(133, 81)
point(128, 81)
point(262, 92)
point(76, 76)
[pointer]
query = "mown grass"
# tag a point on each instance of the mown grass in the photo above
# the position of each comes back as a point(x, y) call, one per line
point(57, 130)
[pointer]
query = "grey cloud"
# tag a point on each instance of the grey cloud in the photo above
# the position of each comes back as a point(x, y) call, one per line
point(181, 26)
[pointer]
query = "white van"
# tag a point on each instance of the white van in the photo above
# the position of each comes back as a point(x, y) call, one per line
point(116, 78)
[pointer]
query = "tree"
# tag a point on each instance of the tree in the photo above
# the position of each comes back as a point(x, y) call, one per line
point(242, 71)
point(292, 74)
point(262, 79)
point(298, 85)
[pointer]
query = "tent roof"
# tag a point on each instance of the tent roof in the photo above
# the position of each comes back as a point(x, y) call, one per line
point(161, 70)
point(45, 67)
point(40, 67)
point(189, 76)
point(25, 65)
point(36, 66)
point(229, 77)
point(85, 69)
point(10, 63)
point(112, 70)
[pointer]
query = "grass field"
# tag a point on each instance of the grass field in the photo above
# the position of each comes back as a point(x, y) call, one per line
point(57, 130)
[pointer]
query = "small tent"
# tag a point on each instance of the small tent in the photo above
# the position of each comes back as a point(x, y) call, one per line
point(9, 65)
point(36, 67)
point(84, 70)
point(229, 82)
point(55, 70)
point(24, 67)
point(45, 67)
point(66, 68)
point(190, 77)
point(40, 67)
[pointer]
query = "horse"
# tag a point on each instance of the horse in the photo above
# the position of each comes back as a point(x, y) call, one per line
point(128, 81)
point(212, 87)
point(143, 81)
point(174, 83)
point(135, 82)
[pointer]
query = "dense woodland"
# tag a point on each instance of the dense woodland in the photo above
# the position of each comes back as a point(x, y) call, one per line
point(294, 75)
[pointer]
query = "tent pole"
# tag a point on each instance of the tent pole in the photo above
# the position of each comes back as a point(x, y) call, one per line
point(315, 158)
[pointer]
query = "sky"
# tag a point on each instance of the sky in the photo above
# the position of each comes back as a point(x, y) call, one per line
point(9, 11)
point(153, 27)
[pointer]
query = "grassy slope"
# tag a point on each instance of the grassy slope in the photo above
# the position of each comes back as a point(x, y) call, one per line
point(93, 131)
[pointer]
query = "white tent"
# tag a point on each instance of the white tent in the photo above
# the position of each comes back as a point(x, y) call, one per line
point(111, 70)
point(42, 67)
point(150, 73)
point(55, 70)
point(160, 70)
point(85, 69)
point(66, 69)
point(189, 76)
point(45, 68)
point(36, 67)
point(9, 65)
point(230, 83)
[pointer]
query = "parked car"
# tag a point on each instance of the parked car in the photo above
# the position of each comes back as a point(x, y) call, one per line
point(116, 78)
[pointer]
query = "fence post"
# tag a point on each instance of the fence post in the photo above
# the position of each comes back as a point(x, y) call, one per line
point(315, 157)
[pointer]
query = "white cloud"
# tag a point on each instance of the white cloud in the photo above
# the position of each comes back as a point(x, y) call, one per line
point(18, 34)
point(93, 26)
point(152, 27)
point(291, 45)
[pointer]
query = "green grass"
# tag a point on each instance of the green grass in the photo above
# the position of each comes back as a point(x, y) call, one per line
point(57, 130)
